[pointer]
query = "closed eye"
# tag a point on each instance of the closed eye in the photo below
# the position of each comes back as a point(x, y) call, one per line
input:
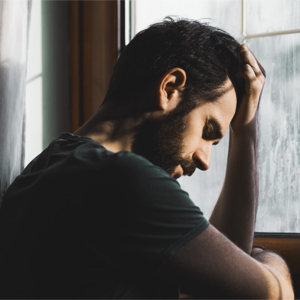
point(212, 130)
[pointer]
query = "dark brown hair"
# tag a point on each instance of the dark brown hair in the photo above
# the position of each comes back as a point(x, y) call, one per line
point(207, 54)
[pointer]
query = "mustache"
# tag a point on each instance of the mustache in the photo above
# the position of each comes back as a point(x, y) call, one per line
point(189, 167)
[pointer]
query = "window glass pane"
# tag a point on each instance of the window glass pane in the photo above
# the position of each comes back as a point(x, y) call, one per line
point(34, 120)
point(279, 135)
point(227, 15)
point(271, 15)
point(33, 104)
point(34, 61)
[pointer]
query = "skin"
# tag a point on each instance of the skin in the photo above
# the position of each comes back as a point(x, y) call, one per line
point(238, 200)
point(222, 112)
point(217, 263)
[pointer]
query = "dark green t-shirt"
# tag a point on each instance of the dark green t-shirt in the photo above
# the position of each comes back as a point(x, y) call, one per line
point(83, 222)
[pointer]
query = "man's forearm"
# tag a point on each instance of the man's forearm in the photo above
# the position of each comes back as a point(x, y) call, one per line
point(279, 269)
point(235, 212)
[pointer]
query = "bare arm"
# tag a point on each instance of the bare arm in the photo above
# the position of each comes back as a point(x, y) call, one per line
point(211, 266)
point(235, 212)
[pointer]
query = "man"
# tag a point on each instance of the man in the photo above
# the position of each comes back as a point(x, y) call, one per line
point(99, 214)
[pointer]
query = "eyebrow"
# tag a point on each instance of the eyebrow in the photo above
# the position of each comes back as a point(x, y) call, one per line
point(213, 129)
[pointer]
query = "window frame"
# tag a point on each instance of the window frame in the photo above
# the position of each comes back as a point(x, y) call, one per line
point(94, 29)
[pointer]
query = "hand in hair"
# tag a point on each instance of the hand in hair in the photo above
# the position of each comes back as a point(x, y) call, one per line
point(253, 75)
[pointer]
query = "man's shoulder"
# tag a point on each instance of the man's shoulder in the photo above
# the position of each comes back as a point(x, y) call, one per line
point(131, 160)
point(84, 155)
point(127, 163)
point(87, 150)
point(69, 150)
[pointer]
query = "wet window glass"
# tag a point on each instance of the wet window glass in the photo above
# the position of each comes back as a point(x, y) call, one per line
point(271, 15)
point(279, 116)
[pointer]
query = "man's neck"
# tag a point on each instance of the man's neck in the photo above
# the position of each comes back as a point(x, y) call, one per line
point(115, 136)
point(113, 131)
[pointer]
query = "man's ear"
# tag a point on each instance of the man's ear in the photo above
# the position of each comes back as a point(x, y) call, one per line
point(170, 86)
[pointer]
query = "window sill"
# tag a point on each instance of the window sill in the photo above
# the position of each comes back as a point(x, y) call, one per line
point(286, 245)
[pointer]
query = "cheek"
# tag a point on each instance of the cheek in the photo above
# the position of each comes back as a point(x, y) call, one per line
point(192, 139)
point(194, 125)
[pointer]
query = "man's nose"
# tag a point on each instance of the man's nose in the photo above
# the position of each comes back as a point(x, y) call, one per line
point(201, 157)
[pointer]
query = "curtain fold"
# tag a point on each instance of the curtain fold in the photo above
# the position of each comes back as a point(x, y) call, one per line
point(14, 28)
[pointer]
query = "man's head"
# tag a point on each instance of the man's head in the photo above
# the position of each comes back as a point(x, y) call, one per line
point(207, 54)
point(197, 67)
point(180, 142)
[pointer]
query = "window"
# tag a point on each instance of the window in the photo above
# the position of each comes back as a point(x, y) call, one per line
point(47, 90)
point(34, 86)
point(271, 28)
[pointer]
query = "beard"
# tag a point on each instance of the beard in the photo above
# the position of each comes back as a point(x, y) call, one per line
point(160, 140)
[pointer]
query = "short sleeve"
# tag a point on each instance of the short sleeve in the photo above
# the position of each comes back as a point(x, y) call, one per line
point(151, 216)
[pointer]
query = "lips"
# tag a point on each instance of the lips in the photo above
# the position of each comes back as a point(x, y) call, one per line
point(191, 172)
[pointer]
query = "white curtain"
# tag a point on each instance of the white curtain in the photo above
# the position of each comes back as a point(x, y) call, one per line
point(14, 25)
